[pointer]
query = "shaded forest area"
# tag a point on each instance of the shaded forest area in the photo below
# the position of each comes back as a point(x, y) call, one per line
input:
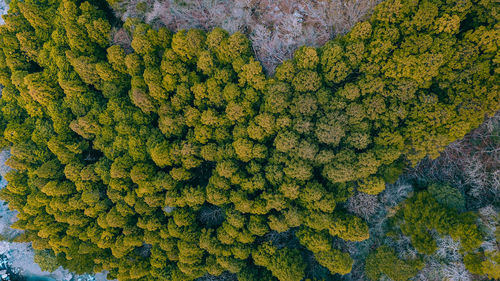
point(173, 156)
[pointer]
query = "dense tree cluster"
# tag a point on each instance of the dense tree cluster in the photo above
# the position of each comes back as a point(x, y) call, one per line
point(180, 158)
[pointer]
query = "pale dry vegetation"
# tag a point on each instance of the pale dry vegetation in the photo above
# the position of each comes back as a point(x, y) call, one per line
point(276, 27)
point(471, 164)
point(363, 205)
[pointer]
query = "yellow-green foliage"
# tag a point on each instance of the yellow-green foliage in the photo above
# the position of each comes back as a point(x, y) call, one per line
point(103, 140)
point(384, 261)
point(419, 217)
point(423, 213)
point(484, 263)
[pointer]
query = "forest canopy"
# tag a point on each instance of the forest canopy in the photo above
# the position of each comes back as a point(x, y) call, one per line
point(176, 156)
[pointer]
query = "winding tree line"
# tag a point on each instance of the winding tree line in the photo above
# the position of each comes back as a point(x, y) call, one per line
point(103, 138)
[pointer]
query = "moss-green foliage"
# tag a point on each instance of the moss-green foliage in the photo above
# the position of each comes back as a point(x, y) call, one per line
point(422, 218)
point(422, 213)
point(46, 260)
point(447, 196)
point(285, 264)
point(384, 261)
point(485, 262)
point(102, 140)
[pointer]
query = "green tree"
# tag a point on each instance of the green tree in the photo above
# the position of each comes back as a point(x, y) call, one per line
point(383, 261)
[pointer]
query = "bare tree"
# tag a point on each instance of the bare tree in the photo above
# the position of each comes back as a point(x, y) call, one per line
point(211, 215)
point(471, 164)
point(456, 272)
point(363, 205)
